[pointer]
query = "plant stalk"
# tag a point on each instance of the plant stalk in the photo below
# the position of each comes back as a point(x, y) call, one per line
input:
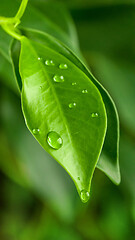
point(10, 24)
point(21, 9)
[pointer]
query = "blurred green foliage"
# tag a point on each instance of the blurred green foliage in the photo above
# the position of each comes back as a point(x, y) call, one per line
point(38, 201)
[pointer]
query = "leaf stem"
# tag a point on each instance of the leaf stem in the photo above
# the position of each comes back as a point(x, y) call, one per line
point(21, 9)
point(10, 24)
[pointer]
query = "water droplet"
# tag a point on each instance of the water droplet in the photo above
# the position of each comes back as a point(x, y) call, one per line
point(58, 78)
point(78, 178)
point(72, 105)
point(35, 131)
point(49, 63)
point(39, 58)
point(84, 91)
point(94, 115)
point(40, 87)
point(74, 83)
point(63, 66)
point(54, 140)
point(85, 196)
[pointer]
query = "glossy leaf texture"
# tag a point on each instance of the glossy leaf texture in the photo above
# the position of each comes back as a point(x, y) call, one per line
point(63, 110)
point(109, 159)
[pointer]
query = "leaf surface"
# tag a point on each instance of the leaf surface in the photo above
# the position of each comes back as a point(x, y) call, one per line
point(109, 159)
point(63, 110)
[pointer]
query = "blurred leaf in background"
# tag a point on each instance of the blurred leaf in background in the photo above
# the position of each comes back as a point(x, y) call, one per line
point(37, 199)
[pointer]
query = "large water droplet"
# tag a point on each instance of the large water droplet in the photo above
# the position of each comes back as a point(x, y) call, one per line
point(35, 131)
point(74, 83)
point(63, 66)
point(54, 140)
point(94, 115)
point(85, 196)
point(84, 91)
point(72, 105)
point(49, 63)
point(58, 78)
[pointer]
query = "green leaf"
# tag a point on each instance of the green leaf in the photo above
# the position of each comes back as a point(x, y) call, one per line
point(109, 160)
point(63, 110)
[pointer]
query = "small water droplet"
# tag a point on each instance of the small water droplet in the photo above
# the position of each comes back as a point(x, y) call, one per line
point(78, 178)
point(94, 115)
point(84, 91)
point(85, 196)
point(35, 131)
point(58, 78)
point(40, 87)
point(49, 63)
point(63, 66)
point(39, 58)
point(72, 105)
point(74, 83)
point(54, 140)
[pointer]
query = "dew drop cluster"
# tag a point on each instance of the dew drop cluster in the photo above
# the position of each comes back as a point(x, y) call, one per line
point(58, 78)
point(94, 115)
point(63, 66)
point(72, 105)
point(49, 63)
point(35, 131)
point(84, 91)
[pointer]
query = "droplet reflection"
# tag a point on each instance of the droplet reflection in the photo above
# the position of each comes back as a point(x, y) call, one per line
point(54, 140)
